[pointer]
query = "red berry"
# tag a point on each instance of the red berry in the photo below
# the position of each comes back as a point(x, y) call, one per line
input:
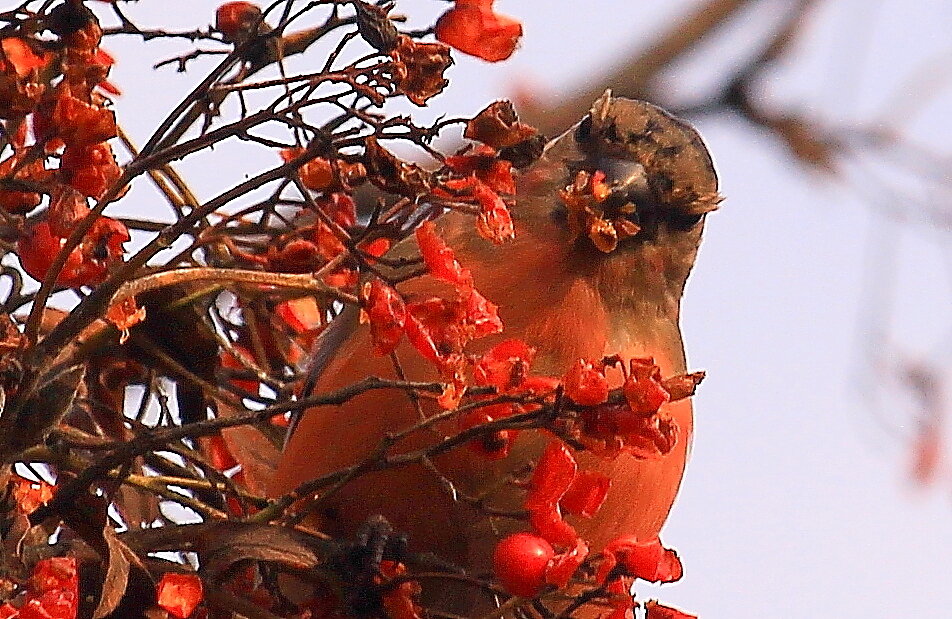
point(234, 18)
point(520, 562)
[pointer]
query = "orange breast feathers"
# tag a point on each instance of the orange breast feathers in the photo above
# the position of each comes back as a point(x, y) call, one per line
point(561, 316)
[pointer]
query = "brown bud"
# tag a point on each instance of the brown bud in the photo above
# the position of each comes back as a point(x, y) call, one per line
point(498, 126)
point(376, 28)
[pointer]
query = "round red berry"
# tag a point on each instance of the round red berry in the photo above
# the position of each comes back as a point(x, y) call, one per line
point(520, 562)
point(234, 18)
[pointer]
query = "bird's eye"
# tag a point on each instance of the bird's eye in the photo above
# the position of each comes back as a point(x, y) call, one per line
point(624, 175)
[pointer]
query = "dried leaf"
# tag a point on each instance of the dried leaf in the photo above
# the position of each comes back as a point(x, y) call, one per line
point(498, 126)
point(117, 574)
point(392, 174)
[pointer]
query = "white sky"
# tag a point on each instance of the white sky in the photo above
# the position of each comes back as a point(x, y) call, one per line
point(796, 503)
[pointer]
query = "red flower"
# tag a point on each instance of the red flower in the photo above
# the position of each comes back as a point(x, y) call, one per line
point(28, 494)
point(439, 258)
point(434, 328)
point(302, 314)
point(643, 388)
point(58, 573)
point(342, 210)
point(74, 121)
point(179, 594)
point(387, 314)
point(21, 202)
point(621, 612)
point(399, 601)
point(552, 476)
point(320, 173)
point(520, 562)
point(87, 264)
point(58, 604)
point(481, 316)
point(505, 365)
point(90, 169)
point(124, 315)
point(229, 361)
point(22, 57)
point(54, 590)
point(643, 436)
point(104, 60)
point(218, 454)
point(494, 222)
point(485, 164)
point(296, 256)
point(548, 522)
point(473, 28)
point(586, 384)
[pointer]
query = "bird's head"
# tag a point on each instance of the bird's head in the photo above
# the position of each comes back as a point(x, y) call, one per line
point(627, 189)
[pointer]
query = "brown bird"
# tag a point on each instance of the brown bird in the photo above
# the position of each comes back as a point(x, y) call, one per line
point(566, 291)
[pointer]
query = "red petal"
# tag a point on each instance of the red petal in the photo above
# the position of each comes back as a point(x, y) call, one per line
point(21, 56)
point(387, 314)
point(586, 384)
point(647, 560)
point(563, 566)
point(302, 315)
point(439, 258)
point(28, 494)
point(55, 574)
point(495, 221)
point(586, 494)
point(482, 315)
point(218, 454)
point(552, 476)
point(228, 361)
point(505, 365)
point(179, 594)
point(622, 612)
point(474, 29)
point(548, 522)
point(643, 388)
point(125, 314)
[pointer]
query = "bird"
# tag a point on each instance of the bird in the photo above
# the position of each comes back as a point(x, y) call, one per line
point(562, 293)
